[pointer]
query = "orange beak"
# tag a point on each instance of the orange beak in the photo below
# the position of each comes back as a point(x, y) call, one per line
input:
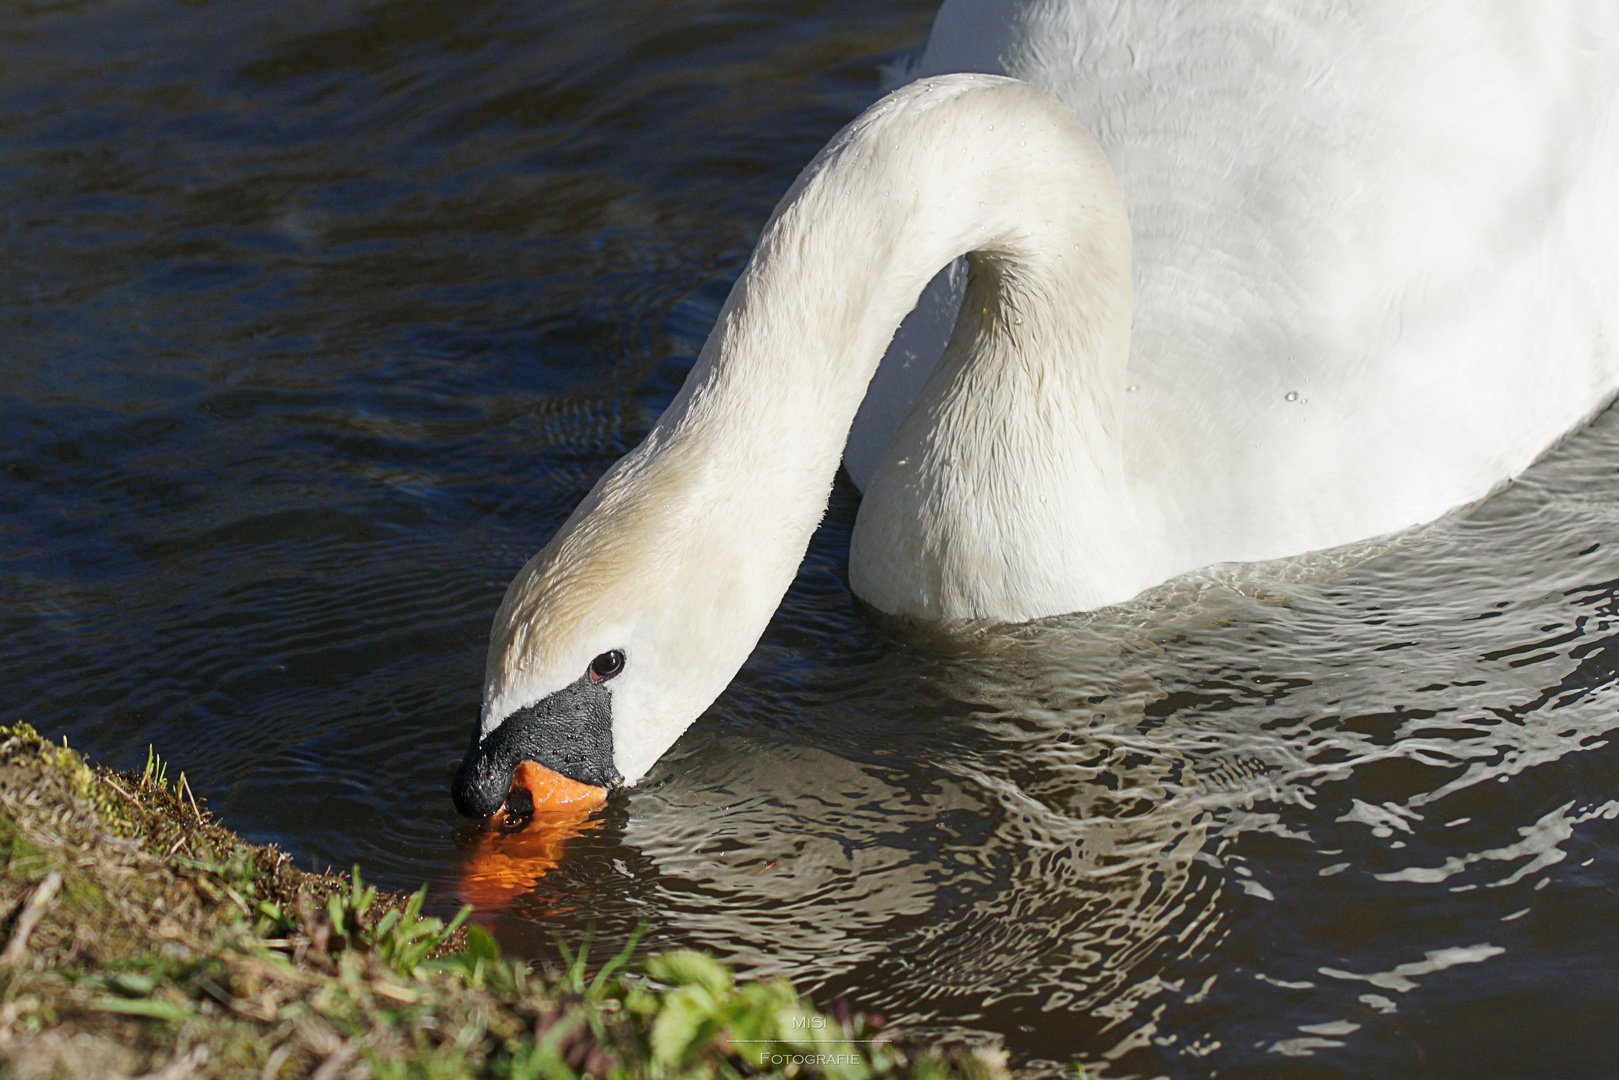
point(504, 865)
point(553, 792)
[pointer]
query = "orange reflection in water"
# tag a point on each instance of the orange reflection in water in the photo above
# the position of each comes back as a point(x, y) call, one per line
point(504, 863)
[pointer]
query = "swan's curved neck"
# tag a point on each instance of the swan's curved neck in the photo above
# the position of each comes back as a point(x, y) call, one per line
point(681, 553)
point(964, 164)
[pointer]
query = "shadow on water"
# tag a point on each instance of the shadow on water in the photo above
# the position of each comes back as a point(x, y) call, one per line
point(319, 321)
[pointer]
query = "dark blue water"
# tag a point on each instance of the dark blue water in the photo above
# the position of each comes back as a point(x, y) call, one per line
point(318, 319)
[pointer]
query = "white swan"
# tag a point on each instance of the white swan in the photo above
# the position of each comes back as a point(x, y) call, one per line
point(1376, 274)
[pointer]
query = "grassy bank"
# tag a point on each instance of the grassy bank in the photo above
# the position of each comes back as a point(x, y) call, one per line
point(139, 937)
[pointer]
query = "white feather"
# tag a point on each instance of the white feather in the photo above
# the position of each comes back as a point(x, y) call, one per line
point(1376, 274)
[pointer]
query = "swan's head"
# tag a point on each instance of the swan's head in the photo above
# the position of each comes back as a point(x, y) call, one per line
point(619, 633)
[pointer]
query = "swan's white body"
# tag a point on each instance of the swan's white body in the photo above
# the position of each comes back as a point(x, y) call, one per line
point(1376, 273)
point(1406, 216)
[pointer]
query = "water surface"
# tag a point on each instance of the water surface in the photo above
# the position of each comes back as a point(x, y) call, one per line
point(318, 319)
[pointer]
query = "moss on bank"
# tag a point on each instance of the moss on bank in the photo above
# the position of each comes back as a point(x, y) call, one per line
point(141, 937)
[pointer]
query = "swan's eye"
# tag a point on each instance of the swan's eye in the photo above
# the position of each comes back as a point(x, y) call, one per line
point(606, 665)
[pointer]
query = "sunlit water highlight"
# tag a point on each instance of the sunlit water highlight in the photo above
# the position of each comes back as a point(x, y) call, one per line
point(319, 320)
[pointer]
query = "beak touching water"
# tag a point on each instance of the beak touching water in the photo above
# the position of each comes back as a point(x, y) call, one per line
point(565, 739)
point(524, 840)
point(535, 779)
